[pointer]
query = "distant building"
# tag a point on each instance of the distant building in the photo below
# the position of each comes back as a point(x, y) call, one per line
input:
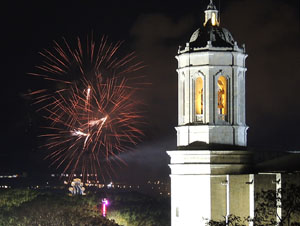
point(212, 171)
point(77, 187)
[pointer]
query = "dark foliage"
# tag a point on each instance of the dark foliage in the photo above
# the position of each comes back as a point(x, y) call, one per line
point(266, 203)
point(30, 208)
point(135, 209)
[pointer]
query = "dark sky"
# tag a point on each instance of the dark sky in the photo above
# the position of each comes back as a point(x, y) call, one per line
point(154, 30)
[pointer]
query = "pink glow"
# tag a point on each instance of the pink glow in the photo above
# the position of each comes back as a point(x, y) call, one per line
point(104, 207)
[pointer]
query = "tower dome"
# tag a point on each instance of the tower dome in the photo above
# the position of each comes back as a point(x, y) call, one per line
point(211, 31)
point(219, 37)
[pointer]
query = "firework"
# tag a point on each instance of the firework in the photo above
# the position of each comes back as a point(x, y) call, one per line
point(93, 111)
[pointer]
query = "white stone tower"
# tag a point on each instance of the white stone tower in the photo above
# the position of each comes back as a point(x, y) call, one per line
point(212, 133)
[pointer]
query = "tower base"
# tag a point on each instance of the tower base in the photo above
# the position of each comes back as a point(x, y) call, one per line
point(204, 182)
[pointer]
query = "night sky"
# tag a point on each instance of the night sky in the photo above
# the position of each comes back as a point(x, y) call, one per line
point(154, 30)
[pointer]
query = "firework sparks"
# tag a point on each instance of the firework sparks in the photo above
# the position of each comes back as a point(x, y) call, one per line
point(93, 110)
point(79, 133)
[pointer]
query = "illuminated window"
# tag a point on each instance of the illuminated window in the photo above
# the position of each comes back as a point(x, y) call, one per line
point(222, 97)
point(199, 97)
point(213, 19)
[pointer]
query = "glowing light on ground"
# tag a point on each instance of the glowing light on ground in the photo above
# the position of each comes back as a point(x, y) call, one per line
point(104, 207)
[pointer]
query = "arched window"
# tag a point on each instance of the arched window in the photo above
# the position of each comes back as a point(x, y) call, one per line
point(222, 97)
point(199, 98)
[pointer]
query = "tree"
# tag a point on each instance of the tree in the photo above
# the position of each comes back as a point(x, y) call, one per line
point(231, 220)
point(286, 198)
point(266, 204)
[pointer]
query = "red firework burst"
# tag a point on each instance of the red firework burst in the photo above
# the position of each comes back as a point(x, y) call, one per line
point(93, 111)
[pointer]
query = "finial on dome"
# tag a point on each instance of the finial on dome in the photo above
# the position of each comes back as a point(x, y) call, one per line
point(211, 6)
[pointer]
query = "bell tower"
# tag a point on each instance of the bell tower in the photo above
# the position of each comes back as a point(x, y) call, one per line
point(211, 81)
point(211, 160)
